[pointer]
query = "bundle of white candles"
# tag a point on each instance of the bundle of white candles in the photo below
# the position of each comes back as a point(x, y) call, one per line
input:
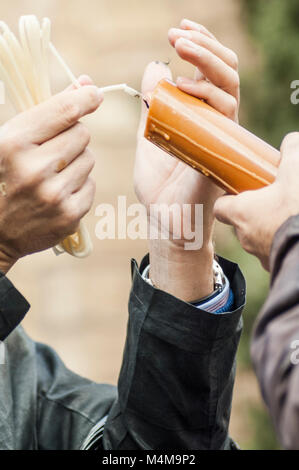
point(24, 70)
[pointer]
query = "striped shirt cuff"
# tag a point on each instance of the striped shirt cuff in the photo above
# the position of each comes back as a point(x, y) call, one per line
point(220, 302)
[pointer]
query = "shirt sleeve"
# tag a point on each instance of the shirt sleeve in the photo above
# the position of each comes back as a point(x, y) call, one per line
point(220, 302)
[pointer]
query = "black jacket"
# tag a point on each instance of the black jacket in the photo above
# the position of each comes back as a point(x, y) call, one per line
point(174, 390)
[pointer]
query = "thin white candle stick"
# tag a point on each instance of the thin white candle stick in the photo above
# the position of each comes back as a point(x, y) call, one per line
point(67, 70)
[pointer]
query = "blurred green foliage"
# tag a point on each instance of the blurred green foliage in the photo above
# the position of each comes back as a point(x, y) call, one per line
point(266, 91)
point(264, 437)
point(269, 113)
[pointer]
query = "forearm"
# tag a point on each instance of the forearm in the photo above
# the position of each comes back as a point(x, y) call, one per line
point(276, 330)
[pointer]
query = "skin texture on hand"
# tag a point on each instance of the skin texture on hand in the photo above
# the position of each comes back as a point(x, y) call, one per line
point(162, 179)
point(257, 215)
point(45, 164)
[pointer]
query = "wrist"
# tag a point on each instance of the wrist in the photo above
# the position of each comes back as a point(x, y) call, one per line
point(186, 274)
point(6, 262)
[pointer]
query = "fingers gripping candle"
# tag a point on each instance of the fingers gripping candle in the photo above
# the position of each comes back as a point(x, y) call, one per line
point(194, 132)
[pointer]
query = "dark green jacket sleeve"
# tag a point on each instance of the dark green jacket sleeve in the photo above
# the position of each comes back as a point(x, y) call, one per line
point(275, 344)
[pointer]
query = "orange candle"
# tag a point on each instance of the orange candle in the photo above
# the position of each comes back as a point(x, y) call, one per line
point(194, 132)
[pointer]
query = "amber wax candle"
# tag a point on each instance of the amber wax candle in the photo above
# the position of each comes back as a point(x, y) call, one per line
point(191, 130)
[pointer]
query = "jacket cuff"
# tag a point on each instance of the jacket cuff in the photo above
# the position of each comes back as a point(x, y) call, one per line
point(13, 307)
point(194, 324)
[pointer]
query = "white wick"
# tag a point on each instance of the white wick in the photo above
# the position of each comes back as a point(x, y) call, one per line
point(122, 87)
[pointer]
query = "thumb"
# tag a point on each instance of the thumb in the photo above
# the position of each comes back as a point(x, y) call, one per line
point(154, 72)
point(225, 209)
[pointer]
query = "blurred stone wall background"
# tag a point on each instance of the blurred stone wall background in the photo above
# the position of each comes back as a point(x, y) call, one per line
point(80, 306)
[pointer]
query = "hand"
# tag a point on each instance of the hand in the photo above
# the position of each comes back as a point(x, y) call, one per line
point(257, 215)
point(162, 179)
point(44, 173)
point(216, 79)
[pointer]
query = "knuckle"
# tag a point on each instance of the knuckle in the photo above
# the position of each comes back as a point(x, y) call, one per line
point(71, 216)
point(88, 197)
point(83, 133)
point(234, 60)
point(91, 194)
point(70, 111)
point(92, 185)
point(203, 56)
point(30, 180)
point(93, 97)
point(232, 107)
point(86, 162)
point(49, 196)
point(10, 145)
point(26, 175)
point(235, 81)
point(197, 38)
point(90, 161)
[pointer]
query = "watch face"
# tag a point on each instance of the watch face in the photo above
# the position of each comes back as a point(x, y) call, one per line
point(218, 288)
point(219, 279)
